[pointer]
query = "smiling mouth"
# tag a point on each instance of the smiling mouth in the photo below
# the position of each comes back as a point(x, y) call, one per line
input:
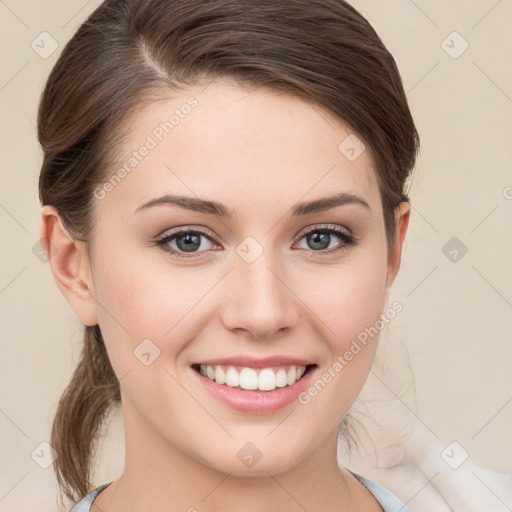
point(255, 379)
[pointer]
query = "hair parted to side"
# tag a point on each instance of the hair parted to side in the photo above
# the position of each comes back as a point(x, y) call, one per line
point(127, 53)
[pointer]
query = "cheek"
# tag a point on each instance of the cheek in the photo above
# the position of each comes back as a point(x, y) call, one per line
point(347, 298)
point(143, 300)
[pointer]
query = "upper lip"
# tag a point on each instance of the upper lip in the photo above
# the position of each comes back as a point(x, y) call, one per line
point(256, 362)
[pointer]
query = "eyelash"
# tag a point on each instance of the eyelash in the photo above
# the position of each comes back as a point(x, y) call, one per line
point(347, 240)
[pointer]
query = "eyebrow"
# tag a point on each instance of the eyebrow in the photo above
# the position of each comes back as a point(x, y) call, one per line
point(214, 208)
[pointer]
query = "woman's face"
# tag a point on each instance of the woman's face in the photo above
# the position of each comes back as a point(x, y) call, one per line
point(245, 286)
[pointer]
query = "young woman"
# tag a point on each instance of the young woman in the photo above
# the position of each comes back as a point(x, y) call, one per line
point(224, 209)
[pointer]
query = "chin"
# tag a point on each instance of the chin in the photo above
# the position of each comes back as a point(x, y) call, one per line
point(242, 458)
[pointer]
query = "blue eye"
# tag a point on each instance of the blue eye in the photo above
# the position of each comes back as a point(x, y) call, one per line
point(320, 236)
point(189, 242)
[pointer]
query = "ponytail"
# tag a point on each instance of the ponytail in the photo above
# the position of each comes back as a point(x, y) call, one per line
point(82, 410)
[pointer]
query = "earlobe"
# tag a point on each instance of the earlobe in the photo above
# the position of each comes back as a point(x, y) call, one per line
point(70, 265)
point(402, 215)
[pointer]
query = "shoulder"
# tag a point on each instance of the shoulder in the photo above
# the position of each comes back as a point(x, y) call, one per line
point(84, 505)
point(388, 501)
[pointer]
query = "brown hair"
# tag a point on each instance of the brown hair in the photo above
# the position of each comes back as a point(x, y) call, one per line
point(129, 51)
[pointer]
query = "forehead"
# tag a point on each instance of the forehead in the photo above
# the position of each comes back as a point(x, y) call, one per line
point(239, 146)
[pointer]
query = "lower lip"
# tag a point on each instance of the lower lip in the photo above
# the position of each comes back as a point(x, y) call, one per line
point(254, 400)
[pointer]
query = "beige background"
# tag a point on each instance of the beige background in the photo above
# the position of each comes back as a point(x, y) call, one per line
point(456, 322)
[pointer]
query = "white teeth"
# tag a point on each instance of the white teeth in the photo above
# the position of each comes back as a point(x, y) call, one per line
point(232, 378)
point(220, 375)
point(265, 379)
point(248, 379)
point(291, 376)
point(281, 379)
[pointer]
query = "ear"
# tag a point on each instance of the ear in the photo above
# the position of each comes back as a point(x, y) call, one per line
point(70, 265)
point(402, 214)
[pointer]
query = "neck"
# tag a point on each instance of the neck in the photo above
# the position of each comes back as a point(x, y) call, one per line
point(158, 475)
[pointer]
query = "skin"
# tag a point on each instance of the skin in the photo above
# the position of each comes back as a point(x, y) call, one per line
point(259, 153)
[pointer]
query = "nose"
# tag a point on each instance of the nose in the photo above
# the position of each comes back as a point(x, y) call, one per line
point(258, 298)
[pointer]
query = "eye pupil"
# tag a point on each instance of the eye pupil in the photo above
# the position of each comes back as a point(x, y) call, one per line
point(322, 239)
point(189, 242)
